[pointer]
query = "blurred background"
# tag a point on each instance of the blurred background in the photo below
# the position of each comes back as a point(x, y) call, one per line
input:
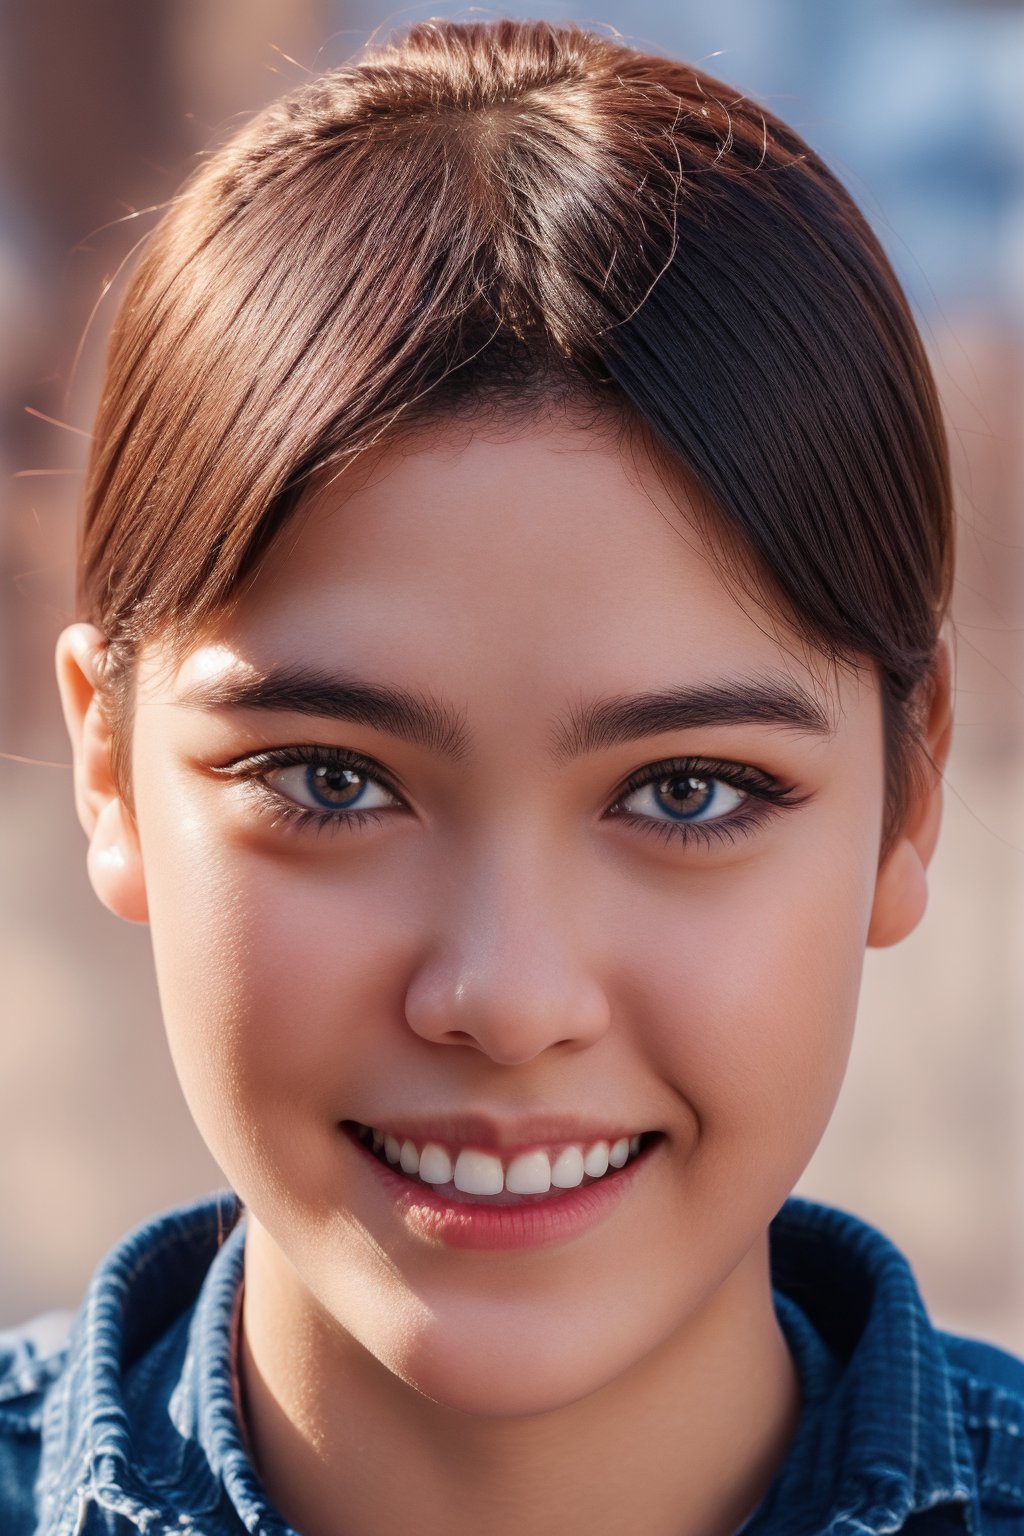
point(918, 104)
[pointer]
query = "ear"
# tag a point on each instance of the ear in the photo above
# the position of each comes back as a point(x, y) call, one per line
point(115, 858)
point(901, 890)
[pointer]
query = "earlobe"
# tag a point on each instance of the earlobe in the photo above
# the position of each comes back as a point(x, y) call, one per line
point(901, 889)
point(114, 862)
point(901, 896)
point(114, 859)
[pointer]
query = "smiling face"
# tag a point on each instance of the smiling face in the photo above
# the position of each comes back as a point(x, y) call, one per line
point(566, 918)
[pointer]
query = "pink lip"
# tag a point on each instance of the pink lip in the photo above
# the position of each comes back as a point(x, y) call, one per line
point(534, 1222)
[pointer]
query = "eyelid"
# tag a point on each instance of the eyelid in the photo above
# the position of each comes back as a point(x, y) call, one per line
point(753, 781)
point(256, 765)
point(303, 752)
point(252, 770)
point(764, 797)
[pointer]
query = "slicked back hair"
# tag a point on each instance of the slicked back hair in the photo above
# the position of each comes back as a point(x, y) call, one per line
point(503, 216)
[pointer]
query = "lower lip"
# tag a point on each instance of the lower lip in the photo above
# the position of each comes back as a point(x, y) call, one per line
point(534, 1224)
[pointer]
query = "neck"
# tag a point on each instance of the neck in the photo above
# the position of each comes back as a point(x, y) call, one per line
point(684, 1443)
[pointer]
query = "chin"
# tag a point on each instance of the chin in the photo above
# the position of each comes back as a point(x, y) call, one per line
point(472, 1371)
point(476, 1388)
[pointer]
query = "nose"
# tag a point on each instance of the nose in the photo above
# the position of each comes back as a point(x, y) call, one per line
point(507, 973)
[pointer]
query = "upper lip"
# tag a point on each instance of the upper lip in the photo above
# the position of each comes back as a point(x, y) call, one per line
point(493, 1135)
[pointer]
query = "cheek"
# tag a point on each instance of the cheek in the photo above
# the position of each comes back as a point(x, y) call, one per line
point(272, 975)
point(747, 988)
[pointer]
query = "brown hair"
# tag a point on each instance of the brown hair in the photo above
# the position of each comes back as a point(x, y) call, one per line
point(500, 215)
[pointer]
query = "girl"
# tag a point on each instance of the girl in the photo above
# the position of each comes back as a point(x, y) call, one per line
point(510, 684)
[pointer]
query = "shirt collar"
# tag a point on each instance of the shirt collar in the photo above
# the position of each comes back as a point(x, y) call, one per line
point(143, 1420)
point(882, 1436)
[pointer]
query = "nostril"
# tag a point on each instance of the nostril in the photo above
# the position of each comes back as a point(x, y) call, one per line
point(464, 1037)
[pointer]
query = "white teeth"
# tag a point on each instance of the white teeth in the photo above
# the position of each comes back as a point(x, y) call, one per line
point(483, 1173)
point(567, 1169)
point(529, 1174)
point(435, 1164)
point(478, 1173)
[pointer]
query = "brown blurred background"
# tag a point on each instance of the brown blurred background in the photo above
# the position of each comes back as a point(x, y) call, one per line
point(103, 108)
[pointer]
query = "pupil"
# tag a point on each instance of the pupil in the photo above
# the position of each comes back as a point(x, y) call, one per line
point(334, 785)
point(693, 794)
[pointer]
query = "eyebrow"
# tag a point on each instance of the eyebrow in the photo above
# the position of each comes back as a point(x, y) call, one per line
point(295, 690)
point(754, 701)
point(589, 727)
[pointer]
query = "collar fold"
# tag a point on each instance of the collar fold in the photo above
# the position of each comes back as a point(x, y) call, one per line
point(882, 1440)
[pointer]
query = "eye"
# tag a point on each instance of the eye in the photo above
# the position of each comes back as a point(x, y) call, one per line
point(687, 797)
point(315, 787)
point(699, 802)
point(330, 786)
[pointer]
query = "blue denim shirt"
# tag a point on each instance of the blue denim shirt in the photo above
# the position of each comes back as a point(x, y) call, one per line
point(129, 1423)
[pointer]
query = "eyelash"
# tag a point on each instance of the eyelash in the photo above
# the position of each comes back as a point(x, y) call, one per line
point(765, 795)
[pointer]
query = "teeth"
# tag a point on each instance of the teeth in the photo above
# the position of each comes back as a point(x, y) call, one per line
point(482, 1173)
point(529, 1174)
point(478, 1173)
point(435, 1164)
point(567, 1168)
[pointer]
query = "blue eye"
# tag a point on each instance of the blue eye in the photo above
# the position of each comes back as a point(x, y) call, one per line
point(700, 802)
point(330, 786)
point(684, 800)
point(687, 797)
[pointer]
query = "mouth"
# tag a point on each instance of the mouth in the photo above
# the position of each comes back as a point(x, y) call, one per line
point(467, 1174)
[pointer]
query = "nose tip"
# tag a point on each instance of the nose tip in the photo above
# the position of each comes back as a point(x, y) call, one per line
point(510, 1018)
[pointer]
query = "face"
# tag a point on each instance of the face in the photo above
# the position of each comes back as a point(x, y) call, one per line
point(507, 913)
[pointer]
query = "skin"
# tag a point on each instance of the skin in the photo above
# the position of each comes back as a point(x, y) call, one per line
point(501, 943)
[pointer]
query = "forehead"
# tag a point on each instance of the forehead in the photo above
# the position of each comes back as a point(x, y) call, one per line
point(551, 559)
